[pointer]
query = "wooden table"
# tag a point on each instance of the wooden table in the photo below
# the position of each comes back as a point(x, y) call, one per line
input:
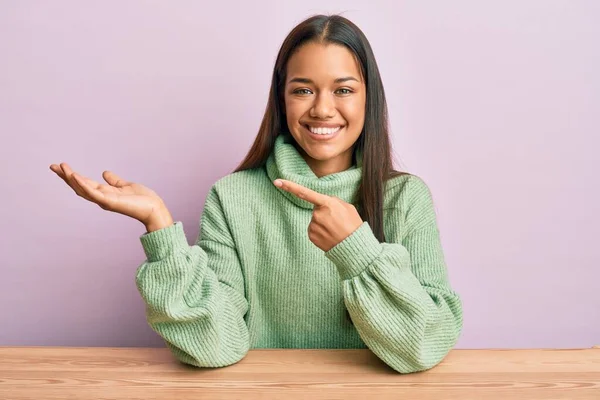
point(45, 373)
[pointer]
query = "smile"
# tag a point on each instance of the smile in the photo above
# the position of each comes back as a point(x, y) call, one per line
point(322, 133)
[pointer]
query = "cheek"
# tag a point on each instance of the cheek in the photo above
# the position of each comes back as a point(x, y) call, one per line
point(293, 109)
point(353, 110)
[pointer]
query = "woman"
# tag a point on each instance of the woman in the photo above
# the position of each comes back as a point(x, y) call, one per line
point(314, 241)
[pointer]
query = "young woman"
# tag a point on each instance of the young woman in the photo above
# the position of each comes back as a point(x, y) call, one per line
point(315, 241)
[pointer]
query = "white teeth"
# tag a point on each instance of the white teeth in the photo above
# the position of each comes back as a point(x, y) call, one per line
point(324, 131)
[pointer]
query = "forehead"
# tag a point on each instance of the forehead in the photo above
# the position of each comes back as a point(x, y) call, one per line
point(323, 62)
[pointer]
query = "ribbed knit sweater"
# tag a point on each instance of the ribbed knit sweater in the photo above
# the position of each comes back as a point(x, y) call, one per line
point(253, 279)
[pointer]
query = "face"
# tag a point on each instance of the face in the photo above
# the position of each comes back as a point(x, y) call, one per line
point(325, 98)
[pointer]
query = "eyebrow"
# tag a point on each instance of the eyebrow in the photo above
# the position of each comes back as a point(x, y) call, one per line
point(338, 80)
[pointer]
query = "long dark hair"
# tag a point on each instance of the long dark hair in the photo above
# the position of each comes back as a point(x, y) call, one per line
point(374, 140)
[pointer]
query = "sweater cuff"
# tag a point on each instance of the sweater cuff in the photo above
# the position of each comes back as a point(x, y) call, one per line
point(163, 242)
point(355, 253)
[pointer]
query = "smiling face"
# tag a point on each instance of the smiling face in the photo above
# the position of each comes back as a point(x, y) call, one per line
point(325, 98)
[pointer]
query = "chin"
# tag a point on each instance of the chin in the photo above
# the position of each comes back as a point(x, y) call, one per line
point(322, 155)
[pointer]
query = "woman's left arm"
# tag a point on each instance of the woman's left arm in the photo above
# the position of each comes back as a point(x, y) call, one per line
point(398, 294)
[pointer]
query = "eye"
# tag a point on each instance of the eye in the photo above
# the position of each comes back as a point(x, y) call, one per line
point(301, 91)
point(348, 91)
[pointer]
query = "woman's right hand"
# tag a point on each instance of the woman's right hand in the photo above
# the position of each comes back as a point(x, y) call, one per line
point(120, 196)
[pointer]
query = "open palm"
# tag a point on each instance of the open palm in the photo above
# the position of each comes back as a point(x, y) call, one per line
point(118, 195)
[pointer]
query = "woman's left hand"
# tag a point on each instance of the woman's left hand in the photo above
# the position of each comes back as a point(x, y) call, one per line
point(333, 219)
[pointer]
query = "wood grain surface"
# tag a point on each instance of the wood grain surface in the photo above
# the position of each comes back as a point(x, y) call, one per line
point(148, 373)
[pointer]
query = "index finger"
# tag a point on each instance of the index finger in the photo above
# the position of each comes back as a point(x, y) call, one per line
point(302, 192)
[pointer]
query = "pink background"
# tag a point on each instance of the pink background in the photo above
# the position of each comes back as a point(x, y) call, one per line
point(494, 104)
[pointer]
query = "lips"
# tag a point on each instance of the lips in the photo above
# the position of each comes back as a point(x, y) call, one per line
point(324, 131)
point(322, 137)
point(329, 126)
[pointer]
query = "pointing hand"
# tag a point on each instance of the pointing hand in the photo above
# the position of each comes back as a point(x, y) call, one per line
point(333, 219)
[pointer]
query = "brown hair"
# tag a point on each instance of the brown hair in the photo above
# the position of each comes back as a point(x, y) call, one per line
point(374, 140)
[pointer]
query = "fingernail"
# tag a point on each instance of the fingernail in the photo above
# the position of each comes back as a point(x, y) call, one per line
point(278, 183)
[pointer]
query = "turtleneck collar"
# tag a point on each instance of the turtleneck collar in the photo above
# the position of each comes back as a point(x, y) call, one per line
point(286, 162)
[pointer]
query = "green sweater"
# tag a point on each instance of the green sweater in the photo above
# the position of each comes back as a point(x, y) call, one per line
point(253, 279)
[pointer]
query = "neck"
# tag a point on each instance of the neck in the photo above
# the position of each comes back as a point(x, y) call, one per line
point(287, 162)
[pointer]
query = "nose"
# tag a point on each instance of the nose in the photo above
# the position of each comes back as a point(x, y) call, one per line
point(323, 107)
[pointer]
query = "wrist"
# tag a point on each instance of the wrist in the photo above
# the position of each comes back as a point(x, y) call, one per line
point(160, 218)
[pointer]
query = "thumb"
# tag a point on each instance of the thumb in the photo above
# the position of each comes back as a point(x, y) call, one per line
point(114, 179)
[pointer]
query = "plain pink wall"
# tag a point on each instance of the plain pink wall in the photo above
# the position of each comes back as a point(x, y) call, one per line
point(494, 104)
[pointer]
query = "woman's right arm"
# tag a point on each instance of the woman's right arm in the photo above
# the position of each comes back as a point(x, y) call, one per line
point(194, 295)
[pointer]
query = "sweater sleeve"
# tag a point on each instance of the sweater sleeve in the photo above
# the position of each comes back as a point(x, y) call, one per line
point(398, 294)
point(194, 295)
